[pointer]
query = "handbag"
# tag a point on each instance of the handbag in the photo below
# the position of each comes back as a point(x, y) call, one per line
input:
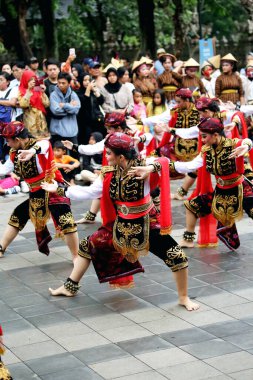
point(5, 111)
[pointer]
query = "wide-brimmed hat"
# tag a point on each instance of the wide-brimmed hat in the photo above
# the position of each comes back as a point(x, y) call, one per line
point(171, 56)
point(191, 63)
point(137, 64)
point(146, 60)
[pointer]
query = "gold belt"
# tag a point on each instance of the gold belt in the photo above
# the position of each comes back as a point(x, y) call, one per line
point(229, 92)
point(227, 182)
point(35, 184)
point(170, 88)
point(125, 210)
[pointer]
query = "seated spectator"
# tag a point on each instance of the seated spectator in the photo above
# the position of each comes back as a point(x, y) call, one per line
point(64, 106)
point(9, 185)
point(91, 164)
point(66, 164)
point(117, 96)
point(34, 101)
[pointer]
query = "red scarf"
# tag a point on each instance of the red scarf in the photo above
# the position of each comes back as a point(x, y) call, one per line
point(36, 98)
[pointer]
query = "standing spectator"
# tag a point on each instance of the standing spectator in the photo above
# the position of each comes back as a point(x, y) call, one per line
point(34, 101)
point(117, 96)
point(96, 74)
point(6, 68)
point(33, 64)
point(52, 70)
point(86, 64)
point(157, 64)
point(191, 80)
point(90, 117)
point(17, 68)
point(123, 74)
point(64, 105)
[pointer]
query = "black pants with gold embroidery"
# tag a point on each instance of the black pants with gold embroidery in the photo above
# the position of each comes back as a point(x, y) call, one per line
point(163, 246)
point(60, 212)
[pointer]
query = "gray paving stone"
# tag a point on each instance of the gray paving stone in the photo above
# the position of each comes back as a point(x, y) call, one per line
point(242, 340)
point(239, 361)
point(228, 328)
point(245, 375)
point(210, 348)
point(146, 344)
point(80, 300)
point(25, 300)
point(51, 319)
point(7, 314)
point(34, 310)
point(79, 373)
point(89, 311)
point(37, 350)
point(188, 336)
point(55, 363)
point(100, 354)
point(20, 371)
point(196, 370)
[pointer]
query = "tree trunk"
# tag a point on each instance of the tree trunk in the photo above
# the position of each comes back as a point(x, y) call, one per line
point(23, 34)
point(178, 27)
point(147, 26)
point(49, 27)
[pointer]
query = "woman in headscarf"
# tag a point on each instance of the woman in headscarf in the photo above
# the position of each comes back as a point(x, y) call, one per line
point(90, 117)
point(117, 96)
point(77, 74)
point(34, 101)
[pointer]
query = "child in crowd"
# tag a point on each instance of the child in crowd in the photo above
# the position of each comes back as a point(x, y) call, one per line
point(10, 185)
point(91, 164)
point(66, 164)
point(139, 111)
point(158, 104)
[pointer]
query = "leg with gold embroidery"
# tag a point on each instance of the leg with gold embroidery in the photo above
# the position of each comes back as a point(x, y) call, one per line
point(167, 249)
point(189, 234)
point(65, 221)
point(17, 222)
point(81, 264)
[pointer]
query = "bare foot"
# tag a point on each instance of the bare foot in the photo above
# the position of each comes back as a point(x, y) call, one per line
point(84, 221)
point(188, 304)
point(186, 244)
point(178, 197)
point(61, 291)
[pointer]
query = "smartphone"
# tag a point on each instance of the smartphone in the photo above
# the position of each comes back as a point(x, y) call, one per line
point(72, 51)
point(37, 89)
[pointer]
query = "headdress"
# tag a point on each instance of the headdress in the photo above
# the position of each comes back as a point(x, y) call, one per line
point(184, 93)
point(12, 129)
point(119, 140)
point(114, 119)
point(211, 126)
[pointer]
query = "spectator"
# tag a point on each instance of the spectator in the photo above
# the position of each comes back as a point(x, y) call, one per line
point(96, 74)
point(65, 163)
point(123, 74)
point(157, 64)
point(91, 164)
point(17, 68)
point(33, 100)
point(33, 65)
point(86, 64)
point(52, 69)
point(116, 95)
point(90, 117)
point(64, 105)
point(6, 68)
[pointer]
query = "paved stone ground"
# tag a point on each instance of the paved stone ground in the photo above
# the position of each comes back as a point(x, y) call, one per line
point(126, 335)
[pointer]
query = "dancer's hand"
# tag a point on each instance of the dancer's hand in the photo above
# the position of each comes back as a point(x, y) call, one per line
point(25, 155)
point(68, 144)
point(140, 172)
point(239, 151)
point(50, 187)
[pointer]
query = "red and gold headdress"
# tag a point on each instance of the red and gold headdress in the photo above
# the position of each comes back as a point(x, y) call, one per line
point(119, 140)
point(211, 126)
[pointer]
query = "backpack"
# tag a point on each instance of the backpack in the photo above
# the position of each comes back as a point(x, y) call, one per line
point(5, 111)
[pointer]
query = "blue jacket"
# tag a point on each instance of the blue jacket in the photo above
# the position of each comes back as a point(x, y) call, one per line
point(64, 123)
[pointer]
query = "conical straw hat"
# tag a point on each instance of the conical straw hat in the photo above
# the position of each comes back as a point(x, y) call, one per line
point(116, 63)
point(109, 66)
point(191, 63)
point(215, 61)
point(228, 57)
point(206, 63)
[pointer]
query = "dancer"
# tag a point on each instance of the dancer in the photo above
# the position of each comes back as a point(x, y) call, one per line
point(131, 223)
point(33, 160)
point(222, 157)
